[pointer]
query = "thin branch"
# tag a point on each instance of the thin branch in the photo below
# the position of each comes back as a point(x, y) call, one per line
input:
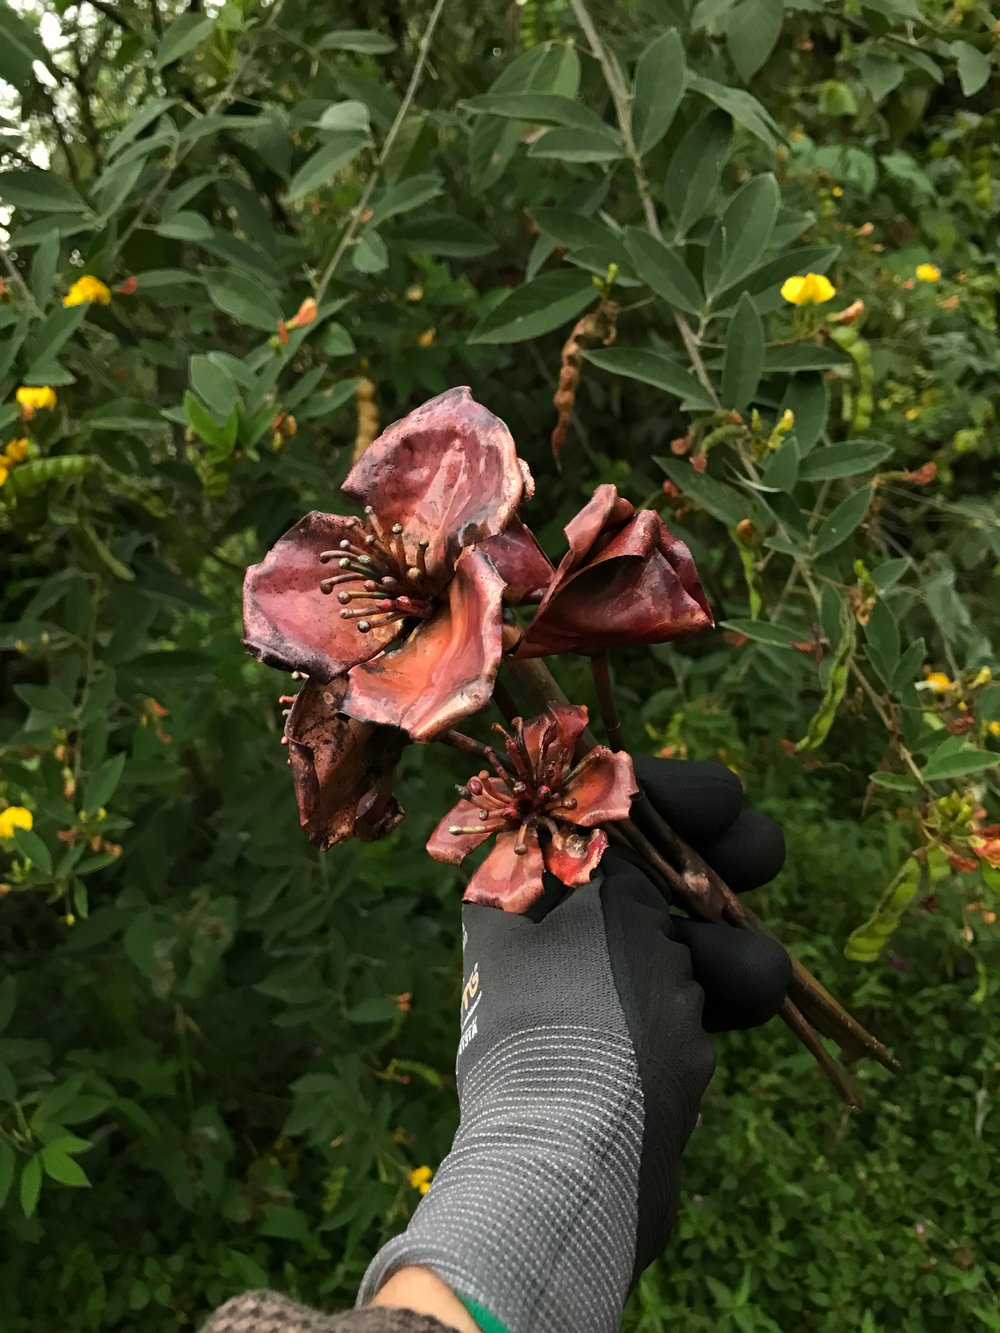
point(620, 97)
point(600, 666)
point(361, 207)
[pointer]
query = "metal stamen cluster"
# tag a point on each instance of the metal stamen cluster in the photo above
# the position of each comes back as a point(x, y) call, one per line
point(388, 585)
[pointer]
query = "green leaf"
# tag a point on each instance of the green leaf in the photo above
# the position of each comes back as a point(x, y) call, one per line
point(903, 782)
point(215, 385)
point(747, 224)
point(752, 31)
point(578, 146)
point(102, 783)
point(715, 498)
point(657, 89)
point(639, 363)
point(781, 470)
point(536, 307)
point(542, 108)
point(184, 34)
point(836, 682)
point(407, 195)
point(147, 113)
point(39, 191)
point(185, 226)
point(442, 234)
point(363, 40)
point(806, 396)
point(43, 268)
point(882, 638)
point(803, 356)
point(908, 667)
point(29, 844)
point(8, 1158)
point(576, 231)
point(839, 525)
point(376, 1010)
point(318, 169)
point(988, 704)
point(20, 47)
point(61, 1167)
point(843, 460)
point(866, 942)
point(743, 108)
point(768, 278)
point(243, 298)
point(764, 631)
point(351, 116)
point(370, 254)
point(663, 272)
point(959, 764)
point(31, 1184)
point(743, 359)
point(973, 68)
point(695, 169)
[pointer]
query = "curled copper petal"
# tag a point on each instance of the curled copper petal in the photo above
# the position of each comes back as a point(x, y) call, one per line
point(634, 583)
point(508, 881)
point(288, 622)
point(573, 856)
point(448, 473)
point(522, 563)
point(452, 848)
point(567, 723)
point(446, 669)
point(603, 789)
point(604, 511)
point(342, 769)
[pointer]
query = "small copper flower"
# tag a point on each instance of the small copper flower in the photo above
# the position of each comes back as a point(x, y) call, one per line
point(417, 575)
point(544, 807)
point(625, 579)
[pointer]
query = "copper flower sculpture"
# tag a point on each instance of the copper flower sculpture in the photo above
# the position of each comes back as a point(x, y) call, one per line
point(625, 579)
point(543, 805)
point(336, 593)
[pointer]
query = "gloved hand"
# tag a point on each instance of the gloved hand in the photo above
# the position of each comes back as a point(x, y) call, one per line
point(582, 1060)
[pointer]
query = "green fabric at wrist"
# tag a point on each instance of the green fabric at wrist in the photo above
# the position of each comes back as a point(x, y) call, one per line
point(487, 1321)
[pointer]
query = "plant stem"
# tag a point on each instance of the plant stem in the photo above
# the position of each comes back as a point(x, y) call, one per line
point(600, 665)
point(361, 207)
point(468, 745)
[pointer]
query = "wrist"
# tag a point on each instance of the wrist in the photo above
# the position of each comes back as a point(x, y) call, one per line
point(421, 1290)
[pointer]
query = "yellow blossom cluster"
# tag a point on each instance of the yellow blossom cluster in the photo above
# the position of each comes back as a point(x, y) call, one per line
point(420, 1178)
point(87, 289)
point(808, 289)
point(16, 451)
point(33, 398)
point(14, 817)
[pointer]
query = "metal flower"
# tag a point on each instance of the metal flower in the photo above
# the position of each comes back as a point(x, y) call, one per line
point(625, 579)
point(342, 769)
point(543, 806)
point(410, 575)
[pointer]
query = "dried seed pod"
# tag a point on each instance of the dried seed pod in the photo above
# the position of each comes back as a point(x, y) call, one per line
point(597, 325)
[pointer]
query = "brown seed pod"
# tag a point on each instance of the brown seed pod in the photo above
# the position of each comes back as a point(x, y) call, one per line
point(597, 325)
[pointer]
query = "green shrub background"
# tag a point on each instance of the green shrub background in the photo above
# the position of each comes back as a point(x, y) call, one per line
point(207, 1079)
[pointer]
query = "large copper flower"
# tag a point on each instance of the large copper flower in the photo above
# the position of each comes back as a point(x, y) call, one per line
point(417, 574)
point(543, 806)
point(625, 579)
point(342, 769)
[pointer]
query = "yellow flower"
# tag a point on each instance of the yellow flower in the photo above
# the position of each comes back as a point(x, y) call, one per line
point(4, 473)
point(928, 272)
point(35, 398)
point(993, 728)
point(16, 451)
point(939, 682)
point(982, 677)
point(87, 289)
point(15, 816)
point(837, 191)
point(912, 413)
point(812, 289)
point(420, 1178)
point(426, 338)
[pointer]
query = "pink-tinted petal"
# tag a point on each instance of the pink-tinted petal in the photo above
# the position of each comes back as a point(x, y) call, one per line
point(288, 622)
point(603, 788)
point(446, 669)
point(508, 881)
point(558, 728)
point(448, 472)
point(605, 509)
point(639, 586)
point(522, 563)
point(342, 769)
point(452, 848)
point(573, 856)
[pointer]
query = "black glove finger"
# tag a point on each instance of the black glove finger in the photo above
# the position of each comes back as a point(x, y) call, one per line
point(747, 854)
point(698, 800)
point(744, 974)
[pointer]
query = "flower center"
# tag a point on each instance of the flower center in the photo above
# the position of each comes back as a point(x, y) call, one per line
point(383, 576)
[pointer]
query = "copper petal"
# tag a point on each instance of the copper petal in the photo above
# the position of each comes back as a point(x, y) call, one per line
point(603, 789)
point(508, 881)
point(573, 856)
point(288, 622)
point(452, 848)
point(522, 563)
point(446, 669)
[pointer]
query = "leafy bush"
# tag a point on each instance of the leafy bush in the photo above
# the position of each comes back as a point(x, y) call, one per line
point(222, 1054)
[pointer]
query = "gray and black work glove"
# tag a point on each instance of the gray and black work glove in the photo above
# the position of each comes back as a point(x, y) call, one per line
point(582, 1060)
